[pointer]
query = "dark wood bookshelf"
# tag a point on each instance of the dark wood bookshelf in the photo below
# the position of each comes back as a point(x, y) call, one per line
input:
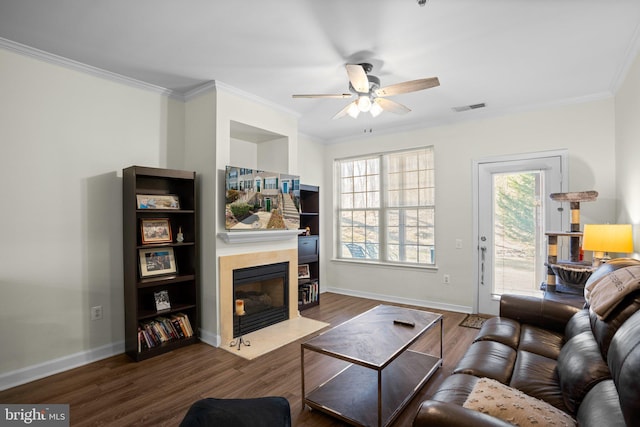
point(309, 246)
point(182, 286)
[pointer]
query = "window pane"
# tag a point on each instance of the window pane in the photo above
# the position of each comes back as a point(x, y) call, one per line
point(373, 199)
point(346, 169)
point(411, 198)
point(360, 184)
point(411, 180)
point(394, 181)
point(411, 253)
point(373, 183)
point(407, 205)
point(347, 185)
point(347, 201)
point(359, 167)
point(393, 198)
point(373, 166)
point(425, 254)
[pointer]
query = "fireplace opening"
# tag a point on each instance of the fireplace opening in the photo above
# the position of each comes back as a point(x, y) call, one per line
point(264, 290)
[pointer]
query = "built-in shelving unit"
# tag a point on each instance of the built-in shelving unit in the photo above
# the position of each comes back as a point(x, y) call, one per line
point(152, 328)
point(309, 247)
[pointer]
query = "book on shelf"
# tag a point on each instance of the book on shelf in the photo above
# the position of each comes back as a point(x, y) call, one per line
point(308, 292)
point(153, 333)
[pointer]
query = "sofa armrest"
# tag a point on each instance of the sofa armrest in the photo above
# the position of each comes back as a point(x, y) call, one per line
point(544, 313)
point(433, 413)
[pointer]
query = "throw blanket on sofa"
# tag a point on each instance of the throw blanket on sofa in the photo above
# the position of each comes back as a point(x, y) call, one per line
point(605, 293)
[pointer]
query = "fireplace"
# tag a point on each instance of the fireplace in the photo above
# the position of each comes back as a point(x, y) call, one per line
point(230, 263)
point(264, 290)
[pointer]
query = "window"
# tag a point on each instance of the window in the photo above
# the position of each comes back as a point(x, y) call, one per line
point(386, 207)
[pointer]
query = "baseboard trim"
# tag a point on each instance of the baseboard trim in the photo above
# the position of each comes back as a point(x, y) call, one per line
point(400, 300)
point(210, 338)
point(55, 366)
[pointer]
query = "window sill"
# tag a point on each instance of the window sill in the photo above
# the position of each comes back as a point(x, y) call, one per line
point(385, 264)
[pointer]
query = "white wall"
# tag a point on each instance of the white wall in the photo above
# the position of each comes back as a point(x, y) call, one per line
point(586, 130)
point(628, 151)
point(65, 137)
point(210, 148)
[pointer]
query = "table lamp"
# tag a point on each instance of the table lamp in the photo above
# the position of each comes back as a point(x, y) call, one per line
point(605, 238)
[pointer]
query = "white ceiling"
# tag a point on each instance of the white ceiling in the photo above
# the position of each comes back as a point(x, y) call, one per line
point(512, 54)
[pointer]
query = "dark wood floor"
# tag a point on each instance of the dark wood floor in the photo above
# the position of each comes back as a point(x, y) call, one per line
point(158, 391)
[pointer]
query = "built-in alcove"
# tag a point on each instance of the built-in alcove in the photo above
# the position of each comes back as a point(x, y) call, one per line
point(256, 148)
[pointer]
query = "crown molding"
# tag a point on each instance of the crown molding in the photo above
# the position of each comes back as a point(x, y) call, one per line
point(215, 85)
point(79, 66)
point(630, 57)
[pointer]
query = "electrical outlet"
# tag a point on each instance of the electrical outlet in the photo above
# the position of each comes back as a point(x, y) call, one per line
point(446, 279)
point(458, 243)
point(96, 312)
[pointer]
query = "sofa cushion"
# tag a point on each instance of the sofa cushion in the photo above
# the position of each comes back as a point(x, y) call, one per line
point(488, 359)
point(601, 407)
point(491, 397)
point(540, 341)
point(538, 377)
point(500, 329)
point(580, 367)
point(624, 362)
point(579, 323)
point(455, 388)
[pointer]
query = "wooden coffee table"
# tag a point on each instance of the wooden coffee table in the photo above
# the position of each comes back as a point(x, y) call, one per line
point(382, 374)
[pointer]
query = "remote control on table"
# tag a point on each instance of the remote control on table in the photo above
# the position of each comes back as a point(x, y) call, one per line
point(404, 322)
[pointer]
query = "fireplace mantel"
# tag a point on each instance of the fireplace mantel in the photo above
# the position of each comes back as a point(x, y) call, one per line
point(257, 236)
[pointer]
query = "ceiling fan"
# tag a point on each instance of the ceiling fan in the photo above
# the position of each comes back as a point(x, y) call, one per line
point(371, 97)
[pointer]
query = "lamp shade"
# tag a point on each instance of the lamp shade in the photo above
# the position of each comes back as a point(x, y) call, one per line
point(616, 238)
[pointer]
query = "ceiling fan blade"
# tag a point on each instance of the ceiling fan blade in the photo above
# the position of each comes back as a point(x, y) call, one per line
point(358, 78)
point(410, 86)
point(391, 106)
point(328, 95)
point(351, 109)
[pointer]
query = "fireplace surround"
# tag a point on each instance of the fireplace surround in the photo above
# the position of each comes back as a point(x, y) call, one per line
point(227, 264)
point(263, 291)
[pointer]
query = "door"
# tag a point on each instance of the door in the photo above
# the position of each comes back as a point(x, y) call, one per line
point(513, 211)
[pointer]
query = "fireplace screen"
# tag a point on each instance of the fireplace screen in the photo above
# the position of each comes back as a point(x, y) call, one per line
point(264, 293)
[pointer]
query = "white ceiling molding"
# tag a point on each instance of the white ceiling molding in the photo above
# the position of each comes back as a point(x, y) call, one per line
point(196, 91)
point(78, 66)
point(630, 57)
point(215, 85)
point(251, 97)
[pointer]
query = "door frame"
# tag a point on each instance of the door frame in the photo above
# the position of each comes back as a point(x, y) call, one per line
point(564, 185)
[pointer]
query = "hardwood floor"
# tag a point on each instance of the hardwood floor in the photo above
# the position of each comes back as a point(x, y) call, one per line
point(158, 391)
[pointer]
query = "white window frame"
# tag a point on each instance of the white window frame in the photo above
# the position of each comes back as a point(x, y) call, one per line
point(383, 210)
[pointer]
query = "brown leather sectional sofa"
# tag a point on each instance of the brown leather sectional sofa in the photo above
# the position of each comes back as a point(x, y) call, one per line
point(585, 366)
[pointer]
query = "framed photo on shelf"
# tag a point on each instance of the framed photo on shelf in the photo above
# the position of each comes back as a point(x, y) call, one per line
point(157, 201)
point(157, 261)
point(162, 300)
point(303, 271)
point(155, 230)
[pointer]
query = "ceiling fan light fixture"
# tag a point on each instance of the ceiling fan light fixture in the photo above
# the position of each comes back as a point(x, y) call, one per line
point(364, 103)
point(353, 110)
point(375, 110)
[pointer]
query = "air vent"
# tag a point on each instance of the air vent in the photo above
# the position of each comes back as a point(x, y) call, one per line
point(469, 107)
